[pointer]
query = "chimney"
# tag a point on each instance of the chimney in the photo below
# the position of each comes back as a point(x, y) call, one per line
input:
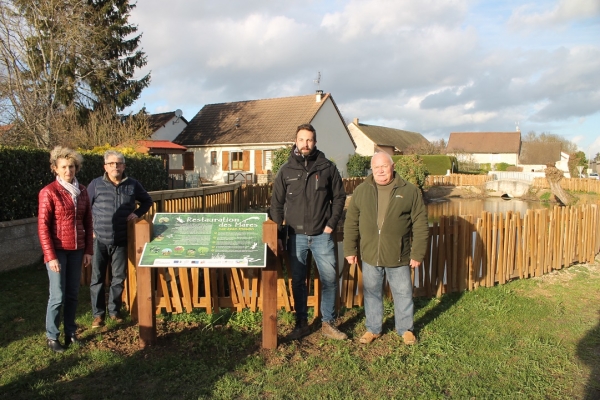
point(355, 121)
point(319, 95)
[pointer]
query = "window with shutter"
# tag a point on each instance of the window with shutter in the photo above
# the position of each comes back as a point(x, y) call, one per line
point(225, 161)
point(188, 161)
point(267, 155)
point(246, 160)
point(258, 162)
point(237, 160)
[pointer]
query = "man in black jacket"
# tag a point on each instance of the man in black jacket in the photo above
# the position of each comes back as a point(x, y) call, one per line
point(113, 198)
point(308, 195)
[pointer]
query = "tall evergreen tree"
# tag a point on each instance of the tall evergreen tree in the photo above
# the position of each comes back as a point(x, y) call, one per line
point(113, 82)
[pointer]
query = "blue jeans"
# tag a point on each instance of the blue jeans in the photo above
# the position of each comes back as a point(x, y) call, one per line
point(117, 255)
point(402, 292)
point(64, 290)
point(321, 247)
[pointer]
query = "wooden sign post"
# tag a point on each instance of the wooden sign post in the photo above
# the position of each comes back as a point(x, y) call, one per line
point(269, 287)
point(145, 288)
point(146, 303)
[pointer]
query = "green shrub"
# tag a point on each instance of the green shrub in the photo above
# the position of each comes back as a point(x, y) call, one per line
point(411, 168)
point(358, 165)
point(27, 171)
point(440, 164)
point(279, 157)
point(502, 166)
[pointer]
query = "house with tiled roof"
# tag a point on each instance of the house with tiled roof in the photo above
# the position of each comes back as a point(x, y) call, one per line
point(371, 139)
point(236, 140)
point(167, 125)
point(535, 156)
point(485, 147)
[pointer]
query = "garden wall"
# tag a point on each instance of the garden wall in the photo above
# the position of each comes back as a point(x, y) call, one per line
point(19, 243)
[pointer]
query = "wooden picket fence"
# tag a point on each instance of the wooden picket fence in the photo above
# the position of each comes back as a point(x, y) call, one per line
point(464, 253)
point(571, 184)
point(457, 180)
point(258, 196)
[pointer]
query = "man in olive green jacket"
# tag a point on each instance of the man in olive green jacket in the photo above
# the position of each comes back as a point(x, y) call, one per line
point(388, 217)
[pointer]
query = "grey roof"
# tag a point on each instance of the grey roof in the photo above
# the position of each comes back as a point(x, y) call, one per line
point(383, 136)
point(157, 121)
point(540, 153)
point(252, 121)
point(484, 142)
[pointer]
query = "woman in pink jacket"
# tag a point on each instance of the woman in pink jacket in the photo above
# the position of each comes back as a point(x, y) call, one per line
point(65, 232)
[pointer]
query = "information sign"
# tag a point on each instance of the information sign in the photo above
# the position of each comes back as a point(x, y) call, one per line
point(206, 240)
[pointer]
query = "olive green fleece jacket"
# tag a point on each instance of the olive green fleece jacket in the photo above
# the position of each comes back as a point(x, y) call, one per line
point(405, 218)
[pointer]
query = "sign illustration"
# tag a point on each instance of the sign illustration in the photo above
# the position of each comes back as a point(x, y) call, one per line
point(206, 240)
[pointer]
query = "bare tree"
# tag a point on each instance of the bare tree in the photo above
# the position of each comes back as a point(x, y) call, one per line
point(566, 145)
point(427, 148)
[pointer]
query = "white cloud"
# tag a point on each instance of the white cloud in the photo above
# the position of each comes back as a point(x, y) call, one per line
point(564, 12)
point(420, 66)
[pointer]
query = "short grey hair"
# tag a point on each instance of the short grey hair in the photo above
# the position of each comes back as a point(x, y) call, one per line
point(118, 154)
point(387, 156)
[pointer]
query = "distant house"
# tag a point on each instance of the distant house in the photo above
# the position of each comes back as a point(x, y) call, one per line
point(236, 140)
point(371, 139)
point(486, 147)
point(166, 126)
point(166, 150)
point(535, 156)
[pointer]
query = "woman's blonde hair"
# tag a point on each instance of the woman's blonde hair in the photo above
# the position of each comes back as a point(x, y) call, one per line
point(67, 153)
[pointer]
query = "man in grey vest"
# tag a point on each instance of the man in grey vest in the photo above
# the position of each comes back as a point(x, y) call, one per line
point(113, 198)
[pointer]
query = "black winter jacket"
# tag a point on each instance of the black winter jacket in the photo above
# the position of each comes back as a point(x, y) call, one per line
point(307, 201)
point(112, 204)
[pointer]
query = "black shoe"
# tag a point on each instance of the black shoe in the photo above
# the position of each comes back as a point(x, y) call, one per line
point(300, 330)
point(55, 346)
point(72, 339)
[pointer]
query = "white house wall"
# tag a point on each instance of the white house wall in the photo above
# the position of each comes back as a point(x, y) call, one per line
point(364, 145)
point(332, 137)
point(170, 130)
point(509, 158)
point(215, 172)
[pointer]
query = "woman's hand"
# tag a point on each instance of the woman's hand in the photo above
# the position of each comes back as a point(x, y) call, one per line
point(87, 259)
point(54, 265)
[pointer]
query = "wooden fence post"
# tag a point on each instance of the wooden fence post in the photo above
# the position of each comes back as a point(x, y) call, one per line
point(145, 288)
point(269, 287)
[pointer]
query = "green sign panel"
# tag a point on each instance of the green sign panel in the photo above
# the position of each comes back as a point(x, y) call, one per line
point(206, 240)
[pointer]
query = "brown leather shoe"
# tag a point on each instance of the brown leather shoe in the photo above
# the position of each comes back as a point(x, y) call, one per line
point(409, 338)
point(331, 332)
point(368, 337)
point(117, 318)
point(98, 322)
point(300, 330)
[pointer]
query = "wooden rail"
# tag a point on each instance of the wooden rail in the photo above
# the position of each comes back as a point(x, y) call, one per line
point(464, 253)
point(457, 180)
point(572, 184)
point(468, 251)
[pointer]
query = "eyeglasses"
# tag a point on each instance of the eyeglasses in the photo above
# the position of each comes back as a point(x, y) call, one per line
point(114, 164)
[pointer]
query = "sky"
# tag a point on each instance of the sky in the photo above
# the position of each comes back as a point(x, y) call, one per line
point(428, 66)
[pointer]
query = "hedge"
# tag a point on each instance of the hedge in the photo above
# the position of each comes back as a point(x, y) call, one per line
point(26, 171)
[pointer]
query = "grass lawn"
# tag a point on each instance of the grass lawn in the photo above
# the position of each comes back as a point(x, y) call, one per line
point(529, 339)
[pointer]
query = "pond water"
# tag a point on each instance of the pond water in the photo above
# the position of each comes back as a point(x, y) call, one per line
point(448, 207)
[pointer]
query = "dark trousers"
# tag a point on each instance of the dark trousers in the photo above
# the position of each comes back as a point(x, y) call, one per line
point(117, 256)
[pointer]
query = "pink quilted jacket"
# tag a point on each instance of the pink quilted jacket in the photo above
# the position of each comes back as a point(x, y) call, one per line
point(60, 225)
